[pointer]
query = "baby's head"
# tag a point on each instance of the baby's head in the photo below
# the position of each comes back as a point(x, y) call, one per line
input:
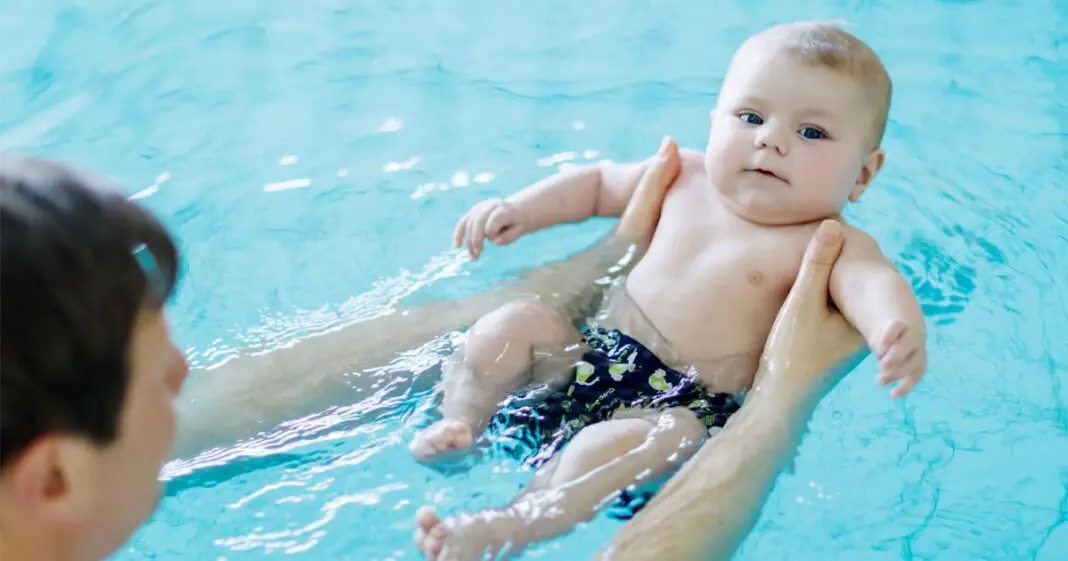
point(798, 124)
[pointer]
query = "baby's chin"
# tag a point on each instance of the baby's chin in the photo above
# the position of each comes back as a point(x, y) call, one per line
point(766, 209)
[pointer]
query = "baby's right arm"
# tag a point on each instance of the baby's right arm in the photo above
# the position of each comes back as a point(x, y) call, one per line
point(572, 195)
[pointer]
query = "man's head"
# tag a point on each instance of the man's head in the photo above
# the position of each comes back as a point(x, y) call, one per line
point(798, 124)
point(89, 370)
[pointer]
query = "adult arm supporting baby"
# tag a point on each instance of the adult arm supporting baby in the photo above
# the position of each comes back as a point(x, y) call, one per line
point(259, 388)
point(707, 509)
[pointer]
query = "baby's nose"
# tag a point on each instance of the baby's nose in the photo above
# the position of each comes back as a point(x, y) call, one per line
point(771, 138)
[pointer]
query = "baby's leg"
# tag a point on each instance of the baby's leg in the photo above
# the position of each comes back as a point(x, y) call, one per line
point(495, 361)
point(602, 460)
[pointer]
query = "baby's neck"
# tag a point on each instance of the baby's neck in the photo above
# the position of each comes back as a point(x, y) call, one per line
point(736, 211)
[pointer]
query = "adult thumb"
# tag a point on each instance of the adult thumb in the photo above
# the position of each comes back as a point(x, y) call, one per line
point(823, 250)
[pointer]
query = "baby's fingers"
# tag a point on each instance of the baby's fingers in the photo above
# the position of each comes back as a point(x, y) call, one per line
point(507, 236)
point(887, 377)
point(888, 338)
point(476, 232)
point(459, 232)
point(890, 367)
point(499, 223)
point(474, 238)
point(908, 382)
point(897, 356)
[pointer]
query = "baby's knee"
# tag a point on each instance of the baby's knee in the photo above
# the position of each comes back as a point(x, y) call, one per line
point(506, 337)
point(527, 320)
point(678, 428)
point(613, 438)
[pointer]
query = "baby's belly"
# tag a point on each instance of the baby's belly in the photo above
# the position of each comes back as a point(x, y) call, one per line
point(721, 343)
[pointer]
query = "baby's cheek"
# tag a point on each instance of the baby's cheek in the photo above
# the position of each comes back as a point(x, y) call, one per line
point(832, 182)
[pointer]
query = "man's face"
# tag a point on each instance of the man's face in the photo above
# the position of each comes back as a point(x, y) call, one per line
point(128, 477)
point(89, 499)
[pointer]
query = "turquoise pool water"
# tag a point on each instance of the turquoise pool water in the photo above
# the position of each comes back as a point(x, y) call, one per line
point(313, 157)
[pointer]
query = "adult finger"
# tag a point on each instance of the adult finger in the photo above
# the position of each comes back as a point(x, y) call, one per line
point(815, 274)
point(640, 218)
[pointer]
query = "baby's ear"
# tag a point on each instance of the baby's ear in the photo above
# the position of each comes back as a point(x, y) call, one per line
point(873, 163)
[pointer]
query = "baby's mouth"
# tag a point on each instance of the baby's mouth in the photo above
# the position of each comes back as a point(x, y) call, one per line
point(770, 174)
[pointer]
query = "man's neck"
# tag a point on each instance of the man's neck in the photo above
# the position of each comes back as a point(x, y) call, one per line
point(20, 544)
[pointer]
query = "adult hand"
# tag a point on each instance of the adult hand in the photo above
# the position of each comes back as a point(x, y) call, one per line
point(642, 214)
point(809, 338)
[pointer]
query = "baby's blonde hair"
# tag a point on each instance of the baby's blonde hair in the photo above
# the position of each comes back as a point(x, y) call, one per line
point(826, 44)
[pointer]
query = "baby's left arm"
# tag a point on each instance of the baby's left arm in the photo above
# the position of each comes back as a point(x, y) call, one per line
point(880, 304)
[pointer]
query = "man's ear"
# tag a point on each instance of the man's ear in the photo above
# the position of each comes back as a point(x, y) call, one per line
point(51, 481)
point(873, 163)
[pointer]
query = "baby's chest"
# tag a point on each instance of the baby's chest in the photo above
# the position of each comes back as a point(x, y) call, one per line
point(709, 249)
point(727, 251)
point(753, 267)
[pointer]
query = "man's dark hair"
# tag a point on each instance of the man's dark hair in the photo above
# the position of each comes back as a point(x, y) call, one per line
point(72, 284)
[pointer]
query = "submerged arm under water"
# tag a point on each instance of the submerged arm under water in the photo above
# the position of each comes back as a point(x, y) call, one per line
point(258, 389)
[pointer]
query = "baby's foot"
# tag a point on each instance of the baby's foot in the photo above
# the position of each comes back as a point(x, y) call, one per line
point(468, 537)
point(441, 438)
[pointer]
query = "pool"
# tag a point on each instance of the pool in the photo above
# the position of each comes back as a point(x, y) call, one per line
point(313, 157)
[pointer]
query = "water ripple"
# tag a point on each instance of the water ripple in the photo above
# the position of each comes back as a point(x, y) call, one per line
point(392, 140)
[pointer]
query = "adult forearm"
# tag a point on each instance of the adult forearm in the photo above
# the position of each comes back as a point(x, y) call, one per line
point(258, 389)
point(707, 509)
point(255, 391)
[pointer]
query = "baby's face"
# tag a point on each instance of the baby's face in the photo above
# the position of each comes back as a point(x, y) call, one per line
point(789, 143)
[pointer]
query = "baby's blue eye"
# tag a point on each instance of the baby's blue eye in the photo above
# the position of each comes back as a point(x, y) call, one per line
point(812, 133)
point(751, 118)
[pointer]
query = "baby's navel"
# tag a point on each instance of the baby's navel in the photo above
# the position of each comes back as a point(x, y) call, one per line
point(755, 278)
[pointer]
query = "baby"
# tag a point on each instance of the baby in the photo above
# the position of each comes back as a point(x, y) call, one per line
point(795, 133)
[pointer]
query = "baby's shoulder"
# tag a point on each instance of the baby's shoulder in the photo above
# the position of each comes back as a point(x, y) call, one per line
point(858, 238)
point(856, 243)
point(849, 231)
point(797, 238)
point(693, 161)
point(692, 155)
point(692, 169)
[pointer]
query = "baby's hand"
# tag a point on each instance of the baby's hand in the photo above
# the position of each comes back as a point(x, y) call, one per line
point(496, 219)
point(902, 352)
